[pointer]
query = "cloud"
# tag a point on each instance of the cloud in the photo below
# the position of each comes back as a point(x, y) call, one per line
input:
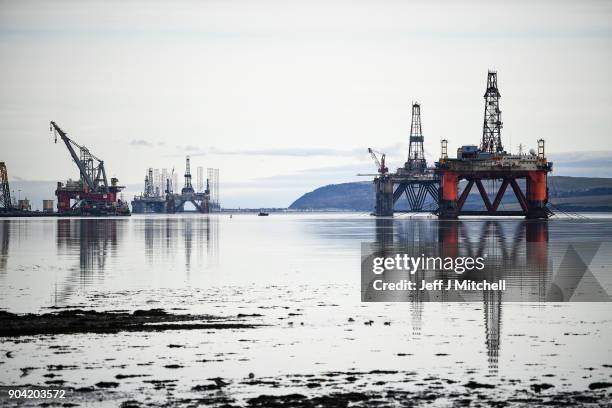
point(287, 152)
point(291, 152)
point(582, 163)
point(310, 177)
point(141, 143)
point(601, 158)
point(191, 148)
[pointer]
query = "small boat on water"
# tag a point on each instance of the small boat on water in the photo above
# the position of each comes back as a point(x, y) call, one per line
point(263, 214)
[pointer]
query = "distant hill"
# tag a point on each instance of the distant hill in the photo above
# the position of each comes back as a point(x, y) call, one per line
point(567, 193)
point(346, 196)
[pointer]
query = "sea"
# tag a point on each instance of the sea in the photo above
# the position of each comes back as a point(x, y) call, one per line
point(298, 278)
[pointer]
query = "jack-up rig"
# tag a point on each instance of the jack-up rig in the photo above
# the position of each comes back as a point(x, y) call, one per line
point(152, 200)
point(91, 194)
point(473, 165)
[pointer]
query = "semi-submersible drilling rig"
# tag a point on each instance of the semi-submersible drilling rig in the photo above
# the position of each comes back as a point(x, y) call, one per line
point(153, 200)
point(414, 179)
point(91, 194)
point(472, 165)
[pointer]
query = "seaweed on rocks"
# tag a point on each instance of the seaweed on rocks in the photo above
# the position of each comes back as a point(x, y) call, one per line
point(91, 321)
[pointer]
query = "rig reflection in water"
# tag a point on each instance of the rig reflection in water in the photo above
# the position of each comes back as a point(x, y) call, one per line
point(452, 239)
point(517, 252)
point(96, 241)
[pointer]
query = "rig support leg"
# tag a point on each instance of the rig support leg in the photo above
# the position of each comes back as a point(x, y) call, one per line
point(384, 196)
point(448, 196)
point(537, 195)
point(170, 205)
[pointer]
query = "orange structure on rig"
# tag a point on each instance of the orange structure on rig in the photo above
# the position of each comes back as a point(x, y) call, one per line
point(491, 162)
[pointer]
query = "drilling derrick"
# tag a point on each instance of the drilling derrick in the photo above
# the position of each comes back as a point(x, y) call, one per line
point(491, 129)
point(149, 190)
point(416, 154)
point(188, 188)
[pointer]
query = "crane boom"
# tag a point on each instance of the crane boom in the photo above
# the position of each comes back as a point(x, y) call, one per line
point(374, 157)
point(95, 178)
point(380, 164)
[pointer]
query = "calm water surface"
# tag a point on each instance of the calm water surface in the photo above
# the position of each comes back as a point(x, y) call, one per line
point(301, 273)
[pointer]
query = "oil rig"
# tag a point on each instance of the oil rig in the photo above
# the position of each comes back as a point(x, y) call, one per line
point(472, 166)
point(91, 194)
point(414, 180)
point(491, 162)
point(159, 196)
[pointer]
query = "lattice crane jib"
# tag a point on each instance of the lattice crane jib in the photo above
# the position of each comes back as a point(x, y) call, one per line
point(91, 168)
point(380, 164)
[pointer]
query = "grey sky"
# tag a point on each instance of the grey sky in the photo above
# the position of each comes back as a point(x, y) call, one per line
point(268, 89)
